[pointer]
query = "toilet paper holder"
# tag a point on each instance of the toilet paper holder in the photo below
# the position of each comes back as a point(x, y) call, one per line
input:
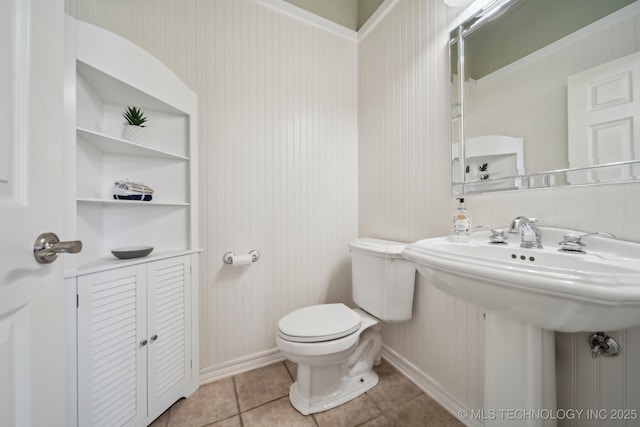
point(229, 256)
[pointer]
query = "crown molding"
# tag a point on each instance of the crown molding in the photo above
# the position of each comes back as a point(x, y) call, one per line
point(307, 17)
point(376, 18)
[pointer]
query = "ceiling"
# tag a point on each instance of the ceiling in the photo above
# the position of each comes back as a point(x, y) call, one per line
point(352, 14)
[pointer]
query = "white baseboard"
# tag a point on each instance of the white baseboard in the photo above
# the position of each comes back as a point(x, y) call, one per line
point(240, 365)
point(430, 386)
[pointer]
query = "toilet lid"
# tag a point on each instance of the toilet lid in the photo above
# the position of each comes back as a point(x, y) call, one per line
point(317, 323)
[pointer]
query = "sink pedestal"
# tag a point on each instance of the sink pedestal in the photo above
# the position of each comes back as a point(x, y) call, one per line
point(519, 383)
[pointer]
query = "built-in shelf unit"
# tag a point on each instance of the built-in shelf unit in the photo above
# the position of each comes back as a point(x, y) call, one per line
point(102, 157)
point(152, 299)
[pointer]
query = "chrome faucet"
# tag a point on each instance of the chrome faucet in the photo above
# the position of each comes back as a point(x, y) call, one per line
point(573, 242)
point(530, 235)
point(514, 228)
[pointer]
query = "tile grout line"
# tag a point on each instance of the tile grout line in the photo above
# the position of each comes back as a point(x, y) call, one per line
point(377, 406)
point(237, 395)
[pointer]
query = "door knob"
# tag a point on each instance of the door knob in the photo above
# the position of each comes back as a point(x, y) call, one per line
point(47, 247)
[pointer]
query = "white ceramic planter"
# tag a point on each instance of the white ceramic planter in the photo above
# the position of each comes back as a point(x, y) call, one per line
point(137, 134)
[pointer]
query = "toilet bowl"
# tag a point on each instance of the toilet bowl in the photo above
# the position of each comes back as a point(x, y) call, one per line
point(335, 346)
point(335, 370)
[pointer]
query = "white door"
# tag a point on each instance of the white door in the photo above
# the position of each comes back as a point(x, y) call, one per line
point(31, 165)
point(169, 331)
point(604, 117)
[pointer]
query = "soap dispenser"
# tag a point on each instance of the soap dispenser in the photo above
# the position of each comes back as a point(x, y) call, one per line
point(461, 223)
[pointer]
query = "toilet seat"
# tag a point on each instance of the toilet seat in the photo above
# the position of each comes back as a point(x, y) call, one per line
point(317, 323)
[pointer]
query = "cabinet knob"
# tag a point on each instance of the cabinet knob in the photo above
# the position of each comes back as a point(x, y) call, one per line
point(154, 337)
point(143, 343)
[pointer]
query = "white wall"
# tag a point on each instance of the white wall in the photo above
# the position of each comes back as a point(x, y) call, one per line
point(404, 187)
point(404, 194)
point(278, 143)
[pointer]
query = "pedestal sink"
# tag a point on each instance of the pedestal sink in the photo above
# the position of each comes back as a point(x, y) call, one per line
point(528, 294)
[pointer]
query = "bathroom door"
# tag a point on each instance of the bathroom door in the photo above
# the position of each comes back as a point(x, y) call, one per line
point(604, 117)
point(31, 146)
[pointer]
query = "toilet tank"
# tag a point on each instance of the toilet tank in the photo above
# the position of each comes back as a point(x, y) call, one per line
point(383, 281)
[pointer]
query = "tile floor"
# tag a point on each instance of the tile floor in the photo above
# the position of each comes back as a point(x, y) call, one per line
point(260, 398)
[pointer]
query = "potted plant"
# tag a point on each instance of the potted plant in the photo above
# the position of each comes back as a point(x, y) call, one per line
point(484, 168)
point(134, 129)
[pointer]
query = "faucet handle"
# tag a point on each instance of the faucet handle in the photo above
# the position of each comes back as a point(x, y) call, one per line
point(571, 238)
point(600, 234)
point(497, 236)
point(573, 242)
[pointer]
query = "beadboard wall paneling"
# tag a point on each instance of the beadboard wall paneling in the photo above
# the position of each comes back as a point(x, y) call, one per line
point(278, 143)
point(404, 194)
point(404, 188)
point(403, 129)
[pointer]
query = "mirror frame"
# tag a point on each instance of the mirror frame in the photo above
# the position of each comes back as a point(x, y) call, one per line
point(547, 179)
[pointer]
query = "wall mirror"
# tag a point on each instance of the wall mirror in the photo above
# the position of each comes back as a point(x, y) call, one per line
point(545, 93)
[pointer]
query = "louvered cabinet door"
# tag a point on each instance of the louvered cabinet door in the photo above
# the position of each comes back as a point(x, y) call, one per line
point(169, 330)
point(112, 351)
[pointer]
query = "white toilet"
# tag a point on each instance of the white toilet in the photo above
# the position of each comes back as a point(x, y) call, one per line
point(335, 346)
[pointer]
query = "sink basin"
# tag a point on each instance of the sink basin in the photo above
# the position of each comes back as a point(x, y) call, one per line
point(546, 288)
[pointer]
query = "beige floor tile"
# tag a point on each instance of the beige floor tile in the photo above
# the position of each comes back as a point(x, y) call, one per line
point(379, 421)
point(229, 422)
point(210, 403)
point(262, 385)
point(424, 412)
point(393, 388)
point(162, 420)
point(353, 413)
point(263, 396)
point(278, 413)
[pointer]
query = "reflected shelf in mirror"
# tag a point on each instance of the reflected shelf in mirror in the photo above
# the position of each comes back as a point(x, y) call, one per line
point(609, 173)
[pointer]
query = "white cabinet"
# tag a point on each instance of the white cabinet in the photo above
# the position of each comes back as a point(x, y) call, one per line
point(134, 342)
point(134, 336)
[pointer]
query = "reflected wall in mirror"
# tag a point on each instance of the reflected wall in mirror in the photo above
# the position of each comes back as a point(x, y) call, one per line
point(546, 93)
